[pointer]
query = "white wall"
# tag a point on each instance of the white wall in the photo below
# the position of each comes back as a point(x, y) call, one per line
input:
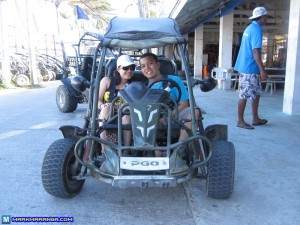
point(291, 99)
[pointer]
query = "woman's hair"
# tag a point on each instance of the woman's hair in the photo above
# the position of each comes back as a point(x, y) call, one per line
point(112, 72)
point(117, 77)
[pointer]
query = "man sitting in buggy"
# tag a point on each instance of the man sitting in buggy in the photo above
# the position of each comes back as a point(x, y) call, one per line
point(150, 67)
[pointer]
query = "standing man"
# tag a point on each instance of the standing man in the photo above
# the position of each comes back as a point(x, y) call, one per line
point(250, 67)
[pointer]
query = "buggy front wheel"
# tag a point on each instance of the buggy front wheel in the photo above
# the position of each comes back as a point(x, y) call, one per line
point(59, 168)
point(220, 170)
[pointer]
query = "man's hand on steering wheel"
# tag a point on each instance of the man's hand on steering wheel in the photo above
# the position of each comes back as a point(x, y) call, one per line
point(170, 84)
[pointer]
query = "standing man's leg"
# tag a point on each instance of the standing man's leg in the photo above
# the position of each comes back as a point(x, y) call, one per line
point(256, 120)
point(245, 93)
point(255, 103)
point(241, 109)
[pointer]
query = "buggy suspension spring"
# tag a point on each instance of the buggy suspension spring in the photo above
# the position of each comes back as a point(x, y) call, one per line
point(89, 164)
point(86, 151)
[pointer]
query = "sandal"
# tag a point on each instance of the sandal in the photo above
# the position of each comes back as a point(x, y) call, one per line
point(260, 122)
point(245, 126)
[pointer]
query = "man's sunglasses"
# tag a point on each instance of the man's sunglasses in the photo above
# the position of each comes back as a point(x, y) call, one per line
point(131, 67)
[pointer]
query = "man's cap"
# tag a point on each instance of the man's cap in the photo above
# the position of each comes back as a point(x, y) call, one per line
point(258, 12)
point(124, 60)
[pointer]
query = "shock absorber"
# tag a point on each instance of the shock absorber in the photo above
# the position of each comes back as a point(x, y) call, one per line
point(87, 149)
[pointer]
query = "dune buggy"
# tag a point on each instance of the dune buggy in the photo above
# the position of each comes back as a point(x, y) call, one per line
point(206, 153)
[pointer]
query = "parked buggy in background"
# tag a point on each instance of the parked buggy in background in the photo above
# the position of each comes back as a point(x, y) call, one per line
point(47, 67)
point(206, 153)
point(68, 98)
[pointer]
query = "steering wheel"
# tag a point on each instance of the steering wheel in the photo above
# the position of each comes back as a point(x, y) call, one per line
point(167, 82)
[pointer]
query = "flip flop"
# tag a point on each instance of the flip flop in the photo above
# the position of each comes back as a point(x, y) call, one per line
point(245, 126)
point(261, 122)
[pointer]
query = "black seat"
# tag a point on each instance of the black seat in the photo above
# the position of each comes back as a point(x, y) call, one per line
point(166, 66)
point(86, 67)
point(110, 67)
point(139, 77)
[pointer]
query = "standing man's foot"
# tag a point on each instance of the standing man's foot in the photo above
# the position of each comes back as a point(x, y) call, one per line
point(245, 126)
point(259, 122)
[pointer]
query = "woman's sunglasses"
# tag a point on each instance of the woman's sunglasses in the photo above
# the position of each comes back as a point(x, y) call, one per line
point(131, 67)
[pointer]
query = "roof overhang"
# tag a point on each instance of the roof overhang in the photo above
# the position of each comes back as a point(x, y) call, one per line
point(191, 13)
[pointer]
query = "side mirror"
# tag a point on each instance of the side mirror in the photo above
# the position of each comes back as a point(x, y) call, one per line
point(208, 84)
point(79, 83)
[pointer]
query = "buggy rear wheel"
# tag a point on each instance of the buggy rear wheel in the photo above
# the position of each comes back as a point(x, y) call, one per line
point(64, 101)
point(220, 170)
point(22, 80)
point(58, 169)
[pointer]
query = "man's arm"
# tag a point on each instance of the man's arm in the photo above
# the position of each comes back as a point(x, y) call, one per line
point(257, 57)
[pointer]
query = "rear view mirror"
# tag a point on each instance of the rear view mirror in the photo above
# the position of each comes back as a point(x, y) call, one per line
point(207, 84)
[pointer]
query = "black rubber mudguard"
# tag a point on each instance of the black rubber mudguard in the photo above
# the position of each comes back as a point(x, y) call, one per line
point(72, 132)
point(217, 132)
point(67, 82)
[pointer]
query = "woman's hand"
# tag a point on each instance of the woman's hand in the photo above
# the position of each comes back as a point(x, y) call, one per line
point(103, 105)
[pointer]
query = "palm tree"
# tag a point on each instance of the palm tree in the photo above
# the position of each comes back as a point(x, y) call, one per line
point(153, 4)
point(145, 8)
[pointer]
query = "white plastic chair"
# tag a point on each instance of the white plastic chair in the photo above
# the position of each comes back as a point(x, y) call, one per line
point(223, 77)
point(234, 78)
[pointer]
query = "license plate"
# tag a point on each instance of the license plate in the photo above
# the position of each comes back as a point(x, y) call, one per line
point(144, 163)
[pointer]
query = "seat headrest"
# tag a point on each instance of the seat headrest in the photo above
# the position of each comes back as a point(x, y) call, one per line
point(110, 67)
point(166, 66)
point(86, 68)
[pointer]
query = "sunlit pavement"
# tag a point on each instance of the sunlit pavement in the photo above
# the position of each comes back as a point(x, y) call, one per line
point(267, 175)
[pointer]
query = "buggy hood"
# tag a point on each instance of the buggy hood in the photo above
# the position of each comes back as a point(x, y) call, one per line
point(139, 33)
